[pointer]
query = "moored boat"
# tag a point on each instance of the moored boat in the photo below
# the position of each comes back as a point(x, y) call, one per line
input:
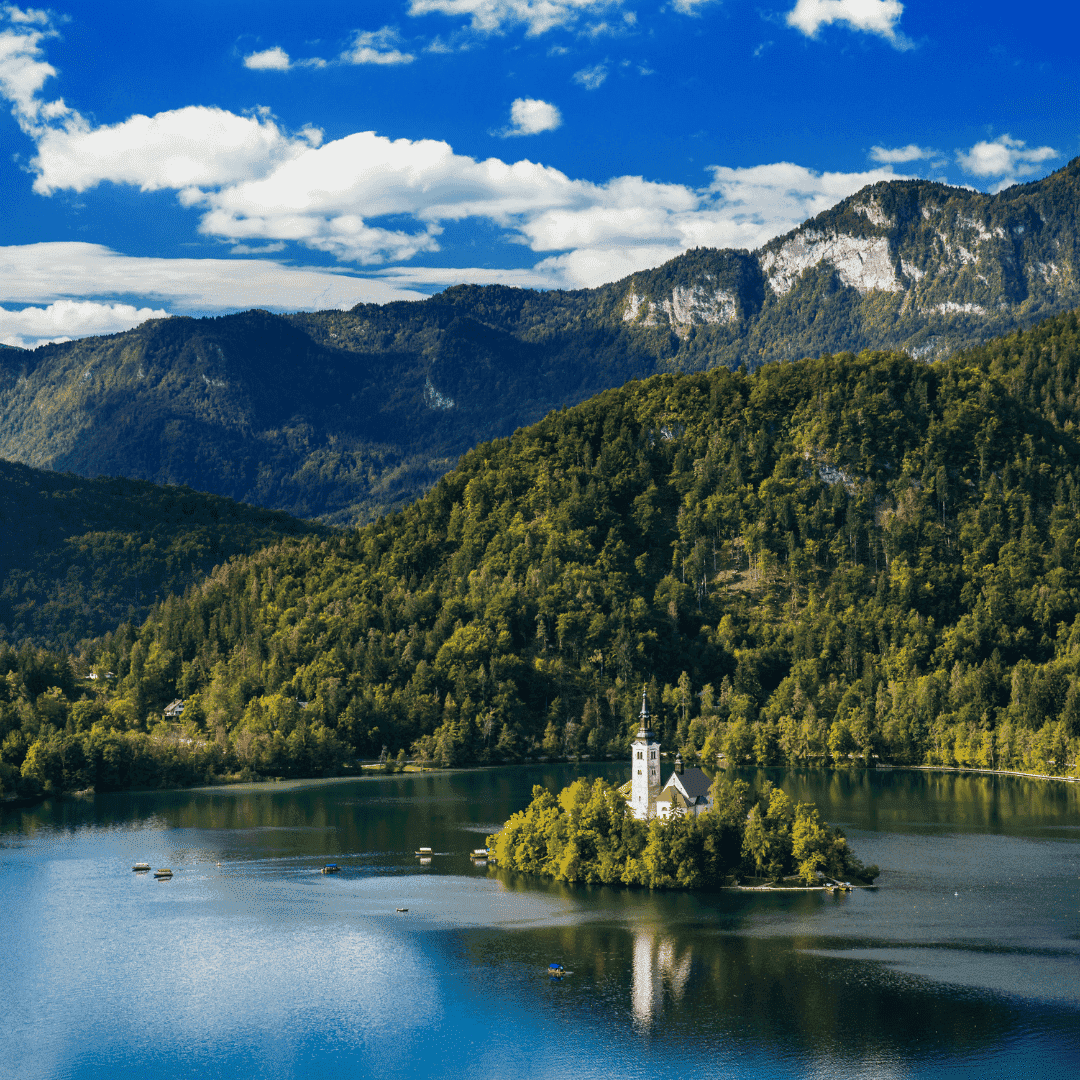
point(166, 873)
point(426, 852)
point(479, 853)
point(141, 867)
point(331, 868)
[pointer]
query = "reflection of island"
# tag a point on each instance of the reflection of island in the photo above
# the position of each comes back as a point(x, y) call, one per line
point(656, 961)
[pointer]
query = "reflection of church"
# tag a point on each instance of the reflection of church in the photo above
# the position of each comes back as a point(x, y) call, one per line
point(687, 790)
point(656, 962)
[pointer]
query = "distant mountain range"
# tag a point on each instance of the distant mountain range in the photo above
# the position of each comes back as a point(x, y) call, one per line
point(344, 415)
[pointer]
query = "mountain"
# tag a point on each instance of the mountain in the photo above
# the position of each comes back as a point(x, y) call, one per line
point(80, 556)
point(847, 559)
point(345, 415)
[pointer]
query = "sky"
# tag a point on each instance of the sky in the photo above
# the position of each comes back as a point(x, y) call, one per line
point(204, 157)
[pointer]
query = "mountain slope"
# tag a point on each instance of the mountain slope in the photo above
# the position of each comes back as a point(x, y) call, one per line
point(79, 556)
point(843, 559)
point(344, 415)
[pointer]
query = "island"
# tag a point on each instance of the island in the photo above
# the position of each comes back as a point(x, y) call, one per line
point(675, 836)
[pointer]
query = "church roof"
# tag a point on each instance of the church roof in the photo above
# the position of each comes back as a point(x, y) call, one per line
point(673, 795)
point(693, 783)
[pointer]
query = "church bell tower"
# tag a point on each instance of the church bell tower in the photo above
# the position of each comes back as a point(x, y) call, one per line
point(644, 768)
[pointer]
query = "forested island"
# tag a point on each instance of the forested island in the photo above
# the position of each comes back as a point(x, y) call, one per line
point(849, 560)
point(588, 834)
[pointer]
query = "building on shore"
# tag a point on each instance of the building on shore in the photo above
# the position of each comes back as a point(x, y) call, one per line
point(686, 792)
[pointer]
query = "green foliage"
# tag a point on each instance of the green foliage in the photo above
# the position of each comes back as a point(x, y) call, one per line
point(588, 835)
point(848, 560)
point(81, 556)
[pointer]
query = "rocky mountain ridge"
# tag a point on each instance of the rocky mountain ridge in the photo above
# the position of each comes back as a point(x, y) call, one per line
point(343, 415)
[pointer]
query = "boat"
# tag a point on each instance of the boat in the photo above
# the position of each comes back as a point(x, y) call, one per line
point(479, 853)
point(403, 910)
point(331, 868)
point(426, 851)
point(166, 873)
point(140, 867)
point(556, 971)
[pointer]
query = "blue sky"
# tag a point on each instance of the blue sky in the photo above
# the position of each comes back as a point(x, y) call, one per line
point(213, 156)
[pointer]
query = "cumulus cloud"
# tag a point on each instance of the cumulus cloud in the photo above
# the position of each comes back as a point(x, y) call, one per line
point(67, 319)
point(592, 78)
point(376, 47)
point(275, 59)
point(871, 16)
point(368, 47)
point(372, 200)
point(495, 16)
point(529, 116)
point(898, 155)
point(184, 149)
point(1005, 157)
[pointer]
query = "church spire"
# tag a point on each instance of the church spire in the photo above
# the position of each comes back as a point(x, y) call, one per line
point(643, 721)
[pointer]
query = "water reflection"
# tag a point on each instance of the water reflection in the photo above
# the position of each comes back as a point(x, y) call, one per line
point(658, 966)
point(965, 958)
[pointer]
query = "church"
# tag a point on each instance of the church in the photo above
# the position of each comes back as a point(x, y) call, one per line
point(687, 790)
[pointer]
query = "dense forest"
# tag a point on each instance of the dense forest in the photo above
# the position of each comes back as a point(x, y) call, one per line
point(851, 559)
point(587, 834)
point(345, 415)
point(82, 556)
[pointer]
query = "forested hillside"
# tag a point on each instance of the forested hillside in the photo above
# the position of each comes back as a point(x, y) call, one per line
point(78, 557)
point(854, 558)
point(343, 415)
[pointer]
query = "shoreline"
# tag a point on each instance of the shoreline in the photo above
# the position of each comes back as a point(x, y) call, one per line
point(368, 770)
point(792, 888)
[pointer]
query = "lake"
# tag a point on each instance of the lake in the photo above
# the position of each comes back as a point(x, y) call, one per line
point(249, 962)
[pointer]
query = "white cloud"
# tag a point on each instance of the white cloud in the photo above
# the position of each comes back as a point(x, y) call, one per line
point(1005, 157)
point(592, 78)
point(184, 149)
point(67, 319)
point(275, 59)
point(529, 116)
point(23, 71)
point(63, 276)
point(369, 199)
point(689, 7)
point(872, 16)
point(495, 16)
point(376, 47)
point(900, 154)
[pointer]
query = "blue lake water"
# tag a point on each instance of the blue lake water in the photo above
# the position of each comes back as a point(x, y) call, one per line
point(249, 962)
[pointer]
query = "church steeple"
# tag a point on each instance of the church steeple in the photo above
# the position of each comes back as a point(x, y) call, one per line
point(644, 766)
point(644, 731)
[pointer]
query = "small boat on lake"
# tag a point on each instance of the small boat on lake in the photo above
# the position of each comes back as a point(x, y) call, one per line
point(331, 868)
point(556, 971)
point(166, 873)
point(403, 910)
point(141, 867)
point(479, 853)
point(425, 852)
